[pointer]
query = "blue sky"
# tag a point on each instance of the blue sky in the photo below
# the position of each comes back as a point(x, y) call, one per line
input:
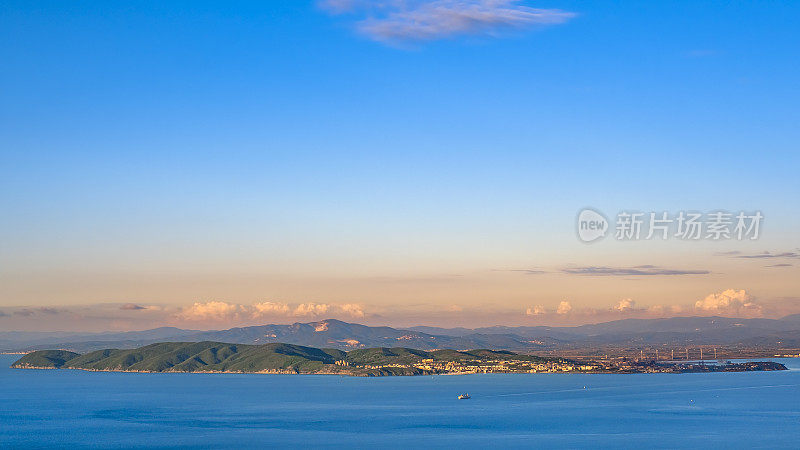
point(281, 139)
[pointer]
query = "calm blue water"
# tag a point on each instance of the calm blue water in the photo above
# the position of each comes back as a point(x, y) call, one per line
point(83, 409)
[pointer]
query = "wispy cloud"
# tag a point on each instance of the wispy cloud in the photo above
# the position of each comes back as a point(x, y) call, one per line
point(525, 271)
point(780, 265)
point(645, 270)
point(766, 255)
point(28, 312)
point(398, 21)
point(132, 307)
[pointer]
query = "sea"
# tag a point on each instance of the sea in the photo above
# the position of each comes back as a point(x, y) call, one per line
point(78, 409)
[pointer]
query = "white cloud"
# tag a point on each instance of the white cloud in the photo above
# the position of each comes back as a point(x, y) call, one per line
point(537, 310)
point(625, 305)
point(311, 309)
point(210, 311)
point(425, 20)
point(269, 309)
point(321, 309)
point(564, 308)
point(218, 311)
point(352, 309)
point(729, 301)
point(662, 309)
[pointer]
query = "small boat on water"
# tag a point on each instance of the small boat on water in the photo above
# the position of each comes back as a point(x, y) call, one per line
point(464, 397)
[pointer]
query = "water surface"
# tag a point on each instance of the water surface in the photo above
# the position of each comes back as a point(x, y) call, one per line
point(99, 409)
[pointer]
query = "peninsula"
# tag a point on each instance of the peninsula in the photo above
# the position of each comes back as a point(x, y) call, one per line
point(216, 357)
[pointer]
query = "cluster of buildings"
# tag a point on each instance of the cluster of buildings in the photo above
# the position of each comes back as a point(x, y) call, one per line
point(525, 364)
point(492, 366)
point(620, 365)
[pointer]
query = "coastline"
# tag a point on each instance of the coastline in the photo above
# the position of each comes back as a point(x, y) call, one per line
point(386, 374)
point(288, 359)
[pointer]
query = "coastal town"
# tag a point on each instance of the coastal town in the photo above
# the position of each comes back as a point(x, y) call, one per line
point(521, 365)
point(432, 366)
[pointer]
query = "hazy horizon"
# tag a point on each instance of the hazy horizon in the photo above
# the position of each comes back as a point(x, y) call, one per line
point(77, 324)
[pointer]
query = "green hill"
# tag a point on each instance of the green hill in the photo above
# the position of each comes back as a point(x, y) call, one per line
point(282, 358)
point(46, 359)
point(380, 356)
point(193, 357)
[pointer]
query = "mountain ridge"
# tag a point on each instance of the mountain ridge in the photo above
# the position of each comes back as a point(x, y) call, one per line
point(281, 358)
point(333, 333)
point(277, 358)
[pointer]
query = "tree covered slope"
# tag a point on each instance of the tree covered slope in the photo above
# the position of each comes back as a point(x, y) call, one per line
point(282, 358)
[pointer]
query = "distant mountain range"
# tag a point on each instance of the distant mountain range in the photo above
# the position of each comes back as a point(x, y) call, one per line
point(326, 333)
point(765, 333)
point(784, 332)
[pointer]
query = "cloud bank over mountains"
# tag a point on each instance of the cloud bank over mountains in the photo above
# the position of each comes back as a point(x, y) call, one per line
point(729, 302)
point(220, 314)
point(219, 311)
